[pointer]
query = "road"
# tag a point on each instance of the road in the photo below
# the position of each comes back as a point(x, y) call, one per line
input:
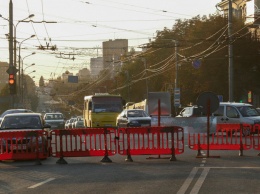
point(222, 172)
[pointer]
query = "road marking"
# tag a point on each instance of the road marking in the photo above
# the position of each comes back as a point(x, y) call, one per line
point(200, 181)
point(187, 182)
point(41, 183)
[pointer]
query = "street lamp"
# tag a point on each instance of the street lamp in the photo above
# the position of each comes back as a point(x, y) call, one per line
point(23, 80)
point(19, 68)
point(21, 85)
point(15, 41)
point(146, 82)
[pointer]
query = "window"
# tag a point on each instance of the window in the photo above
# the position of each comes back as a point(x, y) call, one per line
point(232, 112)
point(220, 111)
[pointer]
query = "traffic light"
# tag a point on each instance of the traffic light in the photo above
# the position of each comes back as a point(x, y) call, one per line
point(12, 84)
point(249, 96)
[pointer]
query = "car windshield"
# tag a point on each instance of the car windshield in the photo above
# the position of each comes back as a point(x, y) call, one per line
point(248, 111)
point(136, 113)
point(21, 122)
point(54, 117)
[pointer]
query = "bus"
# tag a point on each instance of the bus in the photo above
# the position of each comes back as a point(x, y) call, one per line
point(102, 109)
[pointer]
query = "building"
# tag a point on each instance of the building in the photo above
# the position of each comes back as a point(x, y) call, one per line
point(84, 75)
point(248, 11)
point(3, 75)
point(113, 50)
point(96, 65)
point(65, 76)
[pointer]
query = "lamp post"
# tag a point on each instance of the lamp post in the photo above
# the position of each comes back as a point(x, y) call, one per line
point(19, 68)
point(24, 86)
point(146, 82)
point(15, 41)
point(22, 83)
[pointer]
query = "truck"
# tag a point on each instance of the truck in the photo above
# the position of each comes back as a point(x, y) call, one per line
point(151, 105)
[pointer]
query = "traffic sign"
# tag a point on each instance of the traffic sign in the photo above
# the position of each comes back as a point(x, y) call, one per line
point(12, 70)
point(196, 64)
point(177, 95)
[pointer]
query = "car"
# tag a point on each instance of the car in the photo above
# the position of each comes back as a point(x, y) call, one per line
point(23, 122)
point(237, 112)
point(229, 113)
point(133, 118)
point(66, 125)
point(191, 111)
point(11, 111)
point(71, 123)
point(78, 123)
point(55, 120)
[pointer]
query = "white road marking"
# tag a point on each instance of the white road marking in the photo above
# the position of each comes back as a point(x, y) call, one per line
point(200, 181)
point(41, 183)
point(187, 182)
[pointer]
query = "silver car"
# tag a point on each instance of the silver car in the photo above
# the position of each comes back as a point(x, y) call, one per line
point(133, 118)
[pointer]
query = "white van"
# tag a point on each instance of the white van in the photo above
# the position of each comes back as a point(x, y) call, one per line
point(228, 112)
point(233, 112)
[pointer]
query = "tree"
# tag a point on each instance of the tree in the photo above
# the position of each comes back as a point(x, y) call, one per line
point(41, 81)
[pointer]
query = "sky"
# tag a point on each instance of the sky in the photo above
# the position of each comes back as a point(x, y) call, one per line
point(77, 28)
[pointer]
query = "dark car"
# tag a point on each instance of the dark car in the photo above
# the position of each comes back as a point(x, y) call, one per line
point(23, 122)
point(133, 118)
point(12, 111)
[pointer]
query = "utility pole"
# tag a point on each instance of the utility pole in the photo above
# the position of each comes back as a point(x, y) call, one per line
point(11, 56)
point(230, 51)
point(146, 81)
point(176, 64)
point(176, 89)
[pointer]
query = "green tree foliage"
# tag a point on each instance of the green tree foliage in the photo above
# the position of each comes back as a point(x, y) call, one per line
point(204, 39)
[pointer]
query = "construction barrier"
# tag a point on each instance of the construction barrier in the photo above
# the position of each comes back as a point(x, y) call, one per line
point(151, 141)
point(256, 136)
point(24, 145)
point(83, 143)
point(227, 137)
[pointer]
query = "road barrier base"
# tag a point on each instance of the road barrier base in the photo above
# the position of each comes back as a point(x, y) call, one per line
point(106, 159)
point(61, 161)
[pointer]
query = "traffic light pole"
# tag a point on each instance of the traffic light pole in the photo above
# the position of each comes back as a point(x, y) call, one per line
point(11, 57)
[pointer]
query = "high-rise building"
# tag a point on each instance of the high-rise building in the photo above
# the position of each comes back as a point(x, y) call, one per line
point(3, 75)
point(96, 65)
point(113, 50)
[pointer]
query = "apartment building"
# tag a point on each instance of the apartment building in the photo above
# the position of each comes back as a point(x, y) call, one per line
point(96, 65)
point(3, 75)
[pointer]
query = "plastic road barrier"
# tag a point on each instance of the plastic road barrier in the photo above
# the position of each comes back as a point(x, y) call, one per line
point(24, 145)
point(227, 137)
point(150, 141)
point(83, 142)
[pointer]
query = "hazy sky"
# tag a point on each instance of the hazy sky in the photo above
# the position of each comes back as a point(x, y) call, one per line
point(79, 27)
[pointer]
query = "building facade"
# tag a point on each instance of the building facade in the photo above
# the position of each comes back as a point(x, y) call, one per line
point(113, 50)
point(84, 75)
point(96, 65)
point(3, 75)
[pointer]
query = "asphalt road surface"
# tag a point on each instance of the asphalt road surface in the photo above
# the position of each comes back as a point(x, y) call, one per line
point(221, 172)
